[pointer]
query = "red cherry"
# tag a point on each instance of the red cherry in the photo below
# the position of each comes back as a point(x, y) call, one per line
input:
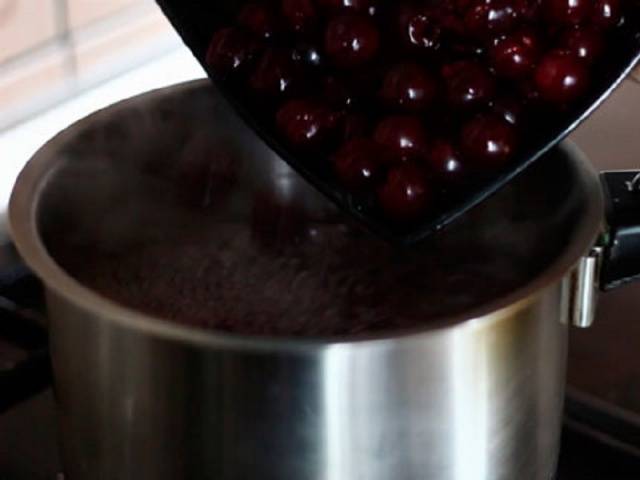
point(510, 109)
point(487, 18)
point(337, 92)
point(230, 50)
point(567, 12)
point(258, 19)
point(351, 40)
point(528, 10)
point(452, 24)
point(561, 78)
point(446, 163)
point(529, 91)
point(529, 38)
point(606, 13)
point(359, 6)
point(462, 6)
point(406, 194)
point(365, 83)
point(419, 28)
point(357, 164)
point(403, 136)
point(584, 43)
point(409, 87)
point(354, 125)
point(515, 55)
point(469, 84)
point(275, 75)
point(308, 54)
point(300, 14)
point(306, 123)
point(488, 141)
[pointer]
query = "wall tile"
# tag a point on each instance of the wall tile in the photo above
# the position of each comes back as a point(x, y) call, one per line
point(96, 49)
point(82, 12)
point(25, 24)
point(33, 75)
point(610, 135)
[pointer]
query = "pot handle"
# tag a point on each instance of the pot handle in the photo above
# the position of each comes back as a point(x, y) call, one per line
point(621, 250)
point(21, 328)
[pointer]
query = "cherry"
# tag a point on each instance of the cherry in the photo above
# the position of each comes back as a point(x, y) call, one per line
point(528, 10)
point(510, 109)
point(359, 6)
point(584, 43)
point(567, 12)
point(403, 136)
point(606, 13)
point(354, 125)
point(406, 193)
point(230, 49)
point(337, 92)
point(468, 84)
point(300, 14)
point(308, 54)
point(351, 40)
point(529, 92)
point(275, 74)
point(515, 55)
point(259, 20)
point(409, 87)
point(486, 18)
point(445, 161)
point(452, 25)
point(373, 88)
point(561, 78)
point(357, 164)
point(462, 6)
point(488, 141)
point(365, 82)
point(306, 123)
point(420, 28)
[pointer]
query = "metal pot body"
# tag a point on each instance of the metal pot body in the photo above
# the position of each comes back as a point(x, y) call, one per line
point(479, 401)
point(477, 397)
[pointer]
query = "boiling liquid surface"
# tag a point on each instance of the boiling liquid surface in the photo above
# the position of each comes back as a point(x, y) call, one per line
point(295, 279)
point(214, 232)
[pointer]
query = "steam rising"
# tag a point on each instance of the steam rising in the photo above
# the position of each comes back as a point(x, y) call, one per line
point(173, 208)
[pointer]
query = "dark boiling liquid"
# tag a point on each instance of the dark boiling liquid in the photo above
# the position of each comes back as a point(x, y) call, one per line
point(327, 280)
point(210, 249)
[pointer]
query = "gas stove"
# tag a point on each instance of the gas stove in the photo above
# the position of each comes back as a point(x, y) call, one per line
point(601, 436)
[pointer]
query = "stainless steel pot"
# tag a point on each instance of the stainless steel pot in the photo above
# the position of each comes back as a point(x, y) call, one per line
point(475, 396)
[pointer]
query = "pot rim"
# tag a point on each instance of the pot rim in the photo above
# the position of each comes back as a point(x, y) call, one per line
point(23, 208)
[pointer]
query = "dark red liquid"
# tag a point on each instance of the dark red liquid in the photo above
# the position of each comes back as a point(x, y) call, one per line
point(280, 273)
point(331, 283)
point(208, 231)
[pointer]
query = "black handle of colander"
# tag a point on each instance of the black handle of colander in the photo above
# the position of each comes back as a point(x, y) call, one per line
point(621, 260)
point(21, 326)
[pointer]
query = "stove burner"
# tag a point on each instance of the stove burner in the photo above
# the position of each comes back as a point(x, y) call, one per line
point(21, 307)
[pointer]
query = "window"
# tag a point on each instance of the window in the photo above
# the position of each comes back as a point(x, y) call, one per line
point(54, 48)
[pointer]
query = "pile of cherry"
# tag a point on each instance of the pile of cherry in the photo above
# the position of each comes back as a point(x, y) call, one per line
point(405, 102)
